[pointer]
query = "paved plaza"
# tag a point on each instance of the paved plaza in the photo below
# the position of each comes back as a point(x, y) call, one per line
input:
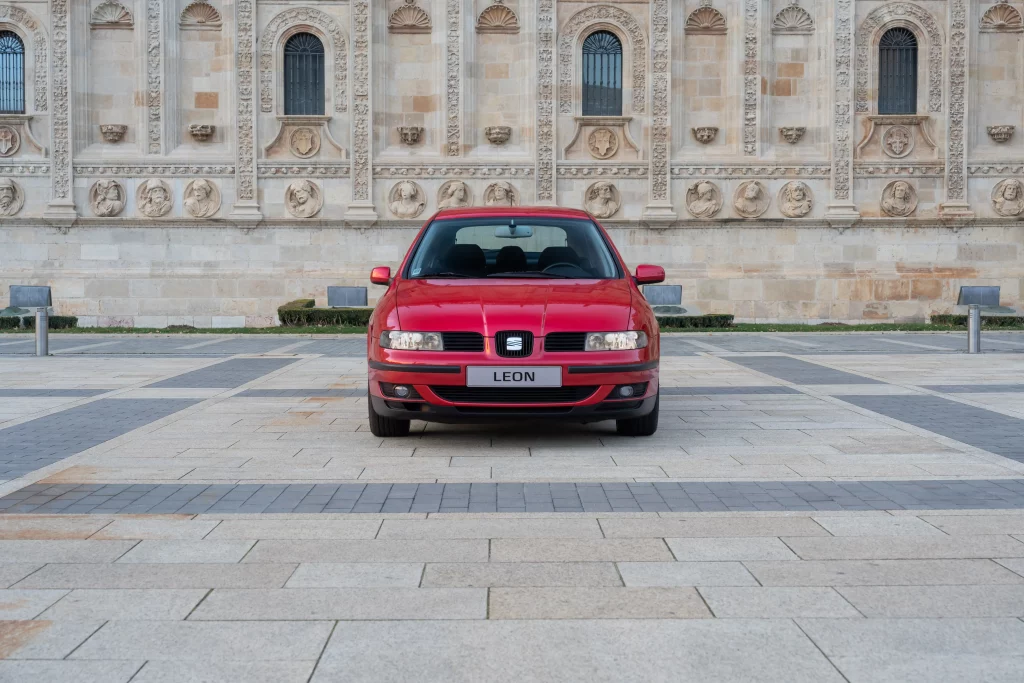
point(813, 507)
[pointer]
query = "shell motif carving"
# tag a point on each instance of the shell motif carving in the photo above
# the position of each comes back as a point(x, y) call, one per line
point(793, 19)
point(409, 19)
point(201, 15)
point(706, 21)
point(497, 19)
point(111, 14)
point(1002, 17)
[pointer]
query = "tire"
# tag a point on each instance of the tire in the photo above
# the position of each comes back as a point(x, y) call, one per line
point(640, 426)
point(385, 426)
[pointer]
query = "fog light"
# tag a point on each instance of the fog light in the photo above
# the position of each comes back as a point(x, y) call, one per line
point(625, 391)
point(401, 391)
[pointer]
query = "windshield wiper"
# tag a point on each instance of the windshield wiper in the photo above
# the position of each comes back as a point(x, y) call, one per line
point(537, 274)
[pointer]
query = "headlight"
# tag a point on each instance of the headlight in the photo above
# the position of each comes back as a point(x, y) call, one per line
point(615, 341)
point(411, 341)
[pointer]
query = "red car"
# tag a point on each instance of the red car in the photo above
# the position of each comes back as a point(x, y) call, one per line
point(513, 313)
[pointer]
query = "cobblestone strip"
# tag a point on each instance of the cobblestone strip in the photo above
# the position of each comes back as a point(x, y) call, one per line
point(529, 497)
point(227, 375)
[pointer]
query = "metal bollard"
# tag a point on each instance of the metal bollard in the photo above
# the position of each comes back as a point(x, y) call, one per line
point(974, 329)
point(42, 332)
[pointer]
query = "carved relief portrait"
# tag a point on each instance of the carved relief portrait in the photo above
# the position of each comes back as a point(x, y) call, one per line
point(407, 199)
point(12, 197)
point(602, 143)
point(899, 199)
point(751, 199)
point(202, 198)
point(795, 199)
point(153, 198)
point(10, 141)
point(703, 199)
point(107, 198)
point(454, 194)
point(303, 199)
point(304, 142)
point(1008, 197)
point(602, 199)
point(501, 193)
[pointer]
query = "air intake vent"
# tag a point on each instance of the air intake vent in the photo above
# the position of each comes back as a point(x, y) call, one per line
point(514, 344)
point(463, 341)
point(565, 341)
point(570, 394)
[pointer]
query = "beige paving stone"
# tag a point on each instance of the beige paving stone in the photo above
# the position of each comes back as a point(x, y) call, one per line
point(369, 551)
point(711, 527)
point(45, 639)
point(199, 552)
point(916, 637)
point(717, 549)
point(487, 574)
point(159, 576)
point(305, 529)
point(905, 548)
point(11, 573)
point(490, 528)
point(934, 668)
point(877, 526)
point(140, 604)
point(937, 601)
point(216, 672)
point(1013, 564)
point(69, 672)
point(882, 573)
point(26, 604)
point(776, 602)
point(596, 603)
point(685, 574)
point(155, 529)
point(356, 575)
point(64, 551)
point(50, 528)
point(978, 524)
point(579, 550)
point(295, 604)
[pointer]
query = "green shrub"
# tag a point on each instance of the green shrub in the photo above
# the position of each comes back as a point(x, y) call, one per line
point(301, 313)
point(11, 322)
point(986, 321)
point(57, 322)
point(694, 322)
point(180, 328)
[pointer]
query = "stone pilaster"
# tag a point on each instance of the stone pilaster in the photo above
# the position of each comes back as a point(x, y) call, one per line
point(154, 76)
point(247, 206)
point(751, 75)
point(956, 204)
point(360, 209)
point(61, 207)
point(453, 78)
point(546, 102)
point(659, 206)
point(841, 206)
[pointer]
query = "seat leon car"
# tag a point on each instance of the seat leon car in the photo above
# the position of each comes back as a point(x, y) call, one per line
point(513, 314)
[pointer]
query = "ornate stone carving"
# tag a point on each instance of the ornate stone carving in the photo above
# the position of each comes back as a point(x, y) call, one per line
point(567, 49)
point(705, 135)
point(751, 76)
point(726, 170)
point(703, 199)
point(792, 134)
point(361, 131)
point(442, 170)
point(706, 20)
point(498, 135)
point(897, 141)
point(200, 16)
point(154, 76)
point(407, 199)
point(899, 199)
point(1008, 197)
point(107, 198)
point(111, 14)
point(545, 102)
point(303, 199)
point(410, 135)
point(304, 142)
point(113, 132)
point(245, 134)
point(27, 21)
point(793, 19)
point(751, 199)
point(956, 118)
point(603, 143)
point(153, 198)
point(61, 201)
point(602, 199)
point(202, 198)
point(316, 168)
point(453, 78)
point(151, 171)
point(10, 141)
point(1002, 17)
point(201, 132)
point(795, 199)
point(1001, 133)
point(409, 18)
point(497, 19)
point(842, 112)
point(589, 170)
point(882, 15)
point(501, 193)
point(453, 195)
point(660, 205)
point(12, 197)
point(270, 39)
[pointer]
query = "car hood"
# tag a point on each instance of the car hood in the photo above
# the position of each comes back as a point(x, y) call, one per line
point(489, 306)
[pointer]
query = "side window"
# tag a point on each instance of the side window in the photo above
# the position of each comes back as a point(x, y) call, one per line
point(602, 75)
point(12, 73)
point(304, 75)
point(897, 72)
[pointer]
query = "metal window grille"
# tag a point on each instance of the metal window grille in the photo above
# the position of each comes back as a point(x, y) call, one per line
point(304, 75)
point(602, 75)
point(897, 72)
point(12, 73)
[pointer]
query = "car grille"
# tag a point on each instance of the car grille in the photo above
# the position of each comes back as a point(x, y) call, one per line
point(501, 344)
point(463, 341)
point(565, 341)
point(457, 394)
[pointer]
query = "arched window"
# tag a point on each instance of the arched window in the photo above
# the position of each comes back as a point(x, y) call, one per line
point(304, 75)
point(602, 75)
point(897, 72)
point(12, 73)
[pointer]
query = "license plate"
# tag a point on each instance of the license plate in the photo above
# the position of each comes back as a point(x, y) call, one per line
point(518, 376)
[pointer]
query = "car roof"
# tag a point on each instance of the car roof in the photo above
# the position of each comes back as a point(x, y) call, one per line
point(486, 211)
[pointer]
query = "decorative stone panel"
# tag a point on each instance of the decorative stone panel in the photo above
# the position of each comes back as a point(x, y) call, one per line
point(28, 23)
point(289, 21)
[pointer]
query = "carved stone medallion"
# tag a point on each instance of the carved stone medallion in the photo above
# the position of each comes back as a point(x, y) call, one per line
point(602, 143)
point(12, 197)
point(705, 135)
point(899, 199)
point(602, 199)
point(1001, 133)
point(703, 199)
point(1008, 197)
point(410, 135)
point(407, 199)
point(10, 141)
point(202, 198)
point(498, 135)
point(454, 194)
point(304, 142)
point(501, 193)
point(792, 134)
point(107, 198)
point(303, 199)
point(751, 199)
point(898, 142)
point(795, 200)
point(153, 198)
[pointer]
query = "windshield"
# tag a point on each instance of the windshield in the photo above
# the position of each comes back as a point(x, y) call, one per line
point(513, 247)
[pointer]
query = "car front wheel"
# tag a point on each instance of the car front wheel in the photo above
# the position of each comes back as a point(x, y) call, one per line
point(385, 426)
point(639, 426)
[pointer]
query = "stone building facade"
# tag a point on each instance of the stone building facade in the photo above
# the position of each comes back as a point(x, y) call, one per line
point(155, 177)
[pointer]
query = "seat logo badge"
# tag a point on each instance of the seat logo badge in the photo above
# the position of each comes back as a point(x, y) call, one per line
point(514, 344)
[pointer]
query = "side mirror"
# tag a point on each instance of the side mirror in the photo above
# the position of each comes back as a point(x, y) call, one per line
point(381, 275)
point(649, 275)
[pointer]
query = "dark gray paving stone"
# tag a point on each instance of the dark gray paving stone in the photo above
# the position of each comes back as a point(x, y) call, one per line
point(226, 375)
point(799, 371)
point(51, 393)
point(713, 391)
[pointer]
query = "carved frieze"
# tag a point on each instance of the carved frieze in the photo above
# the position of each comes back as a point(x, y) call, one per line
point(361, 115)
point(498, 18)
point(153, 198)
point(12, 197)
point(795, 199)
point(751, 199)
point(956, 118)
point(155, 170)
point(200, 16)
point(1008, 197)
point(899, 199)
point(202, 198)
point(111, 14)
point(705, 20)
point(501, 193)
point(407, 199)
point(409, 18)
point(602, 199)
point(793, 19)
point(807, 170)
point(453, 170)
point(303, 199)
point(454, 194)
point(107, 198)
point(703, 199)
point(319, 22)
point(1003, 18)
